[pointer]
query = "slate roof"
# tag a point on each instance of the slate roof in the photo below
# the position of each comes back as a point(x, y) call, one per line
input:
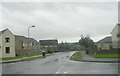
point(26, 40)
point(48, 42)
point(106, 40)
point(32, 40)
point(21, 38)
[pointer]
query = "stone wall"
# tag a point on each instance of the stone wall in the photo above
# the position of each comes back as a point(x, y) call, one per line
point(112, 51)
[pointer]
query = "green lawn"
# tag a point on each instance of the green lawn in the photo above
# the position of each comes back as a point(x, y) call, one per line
point(17, 57)
point(11, 58)
point(107, 56)
point(76, 56)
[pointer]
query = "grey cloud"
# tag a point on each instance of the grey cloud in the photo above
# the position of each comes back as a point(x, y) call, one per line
point(62, 20)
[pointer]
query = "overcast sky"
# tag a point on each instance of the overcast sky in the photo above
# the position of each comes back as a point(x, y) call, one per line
point(66, 21)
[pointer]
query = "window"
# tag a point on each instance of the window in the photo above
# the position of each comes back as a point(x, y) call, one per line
point(7, 39)
point(45, 46)
point(118, 35)
point(23, 44)
point(7, 49)
point(31, 44)
point(50, 46)
point(55, 46)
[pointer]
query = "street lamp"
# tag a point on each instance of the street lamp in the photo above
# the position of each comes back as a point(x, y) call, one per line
point(29, 30)
point(28, 36)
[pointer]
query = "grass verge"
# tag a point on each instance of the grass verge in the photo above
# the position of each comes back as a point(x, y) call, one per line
point(18, 57)
point(76, 56)
point(107, 56)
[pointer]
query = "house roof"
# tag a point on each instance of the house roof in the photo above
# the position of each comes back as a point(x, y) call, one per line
point(32, 40)
point(21, 38)
point(48, 42)
point(25, 39)
point(2, 31)
point(106, 40)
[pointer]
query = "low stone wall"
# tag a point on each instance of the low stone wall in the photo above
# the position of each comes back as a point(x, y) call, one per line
point(26, 52)
point(112, 51)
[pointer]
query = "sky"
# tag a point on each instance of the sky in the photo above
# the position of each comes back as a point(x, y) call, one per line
point(65, 21)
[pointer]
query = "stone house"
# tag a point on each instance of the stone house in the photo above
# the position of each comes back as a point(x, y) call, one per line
point(26, 45)
point(49, 45)
point(7, 43)
point(116, 36)
point(105, 43)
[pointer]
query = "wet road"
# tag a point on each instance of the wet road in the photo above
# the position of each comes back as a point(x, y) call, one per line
point(59, 63)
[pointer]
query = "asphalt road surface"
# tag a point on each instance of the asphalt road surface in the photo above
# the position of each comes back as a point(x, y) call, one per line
point(59, 63)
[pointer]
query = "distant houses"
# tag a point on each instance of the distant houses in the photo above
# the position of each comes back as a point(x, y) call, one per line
point(68, 46)
point(49, 45)
point(7, 43)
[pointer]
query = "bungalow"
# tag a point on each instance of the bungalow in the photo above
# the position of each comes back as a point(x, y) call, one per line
point(25, 45)
point(105, 43)
point(7, 43)
point(116, 36)
point(49, 45)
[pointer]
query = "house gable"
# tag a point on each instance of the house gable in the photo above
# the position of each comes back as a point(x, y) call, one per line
point(116, 29)
point(10, 44)
point(105, 40)
point(116, 36)
point(4, 30)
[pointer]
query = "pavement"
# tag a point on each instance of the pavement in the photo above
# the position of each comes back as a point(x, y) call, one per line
point(88, 58)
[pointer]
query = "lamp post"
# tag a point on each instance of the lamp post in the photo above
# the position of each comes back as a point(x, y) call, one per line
point(28, 36)
point(29, 30)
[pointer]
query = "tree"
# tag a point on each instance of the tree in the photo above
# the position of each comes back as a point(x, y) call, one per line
point(86, 42)
point(64, 46)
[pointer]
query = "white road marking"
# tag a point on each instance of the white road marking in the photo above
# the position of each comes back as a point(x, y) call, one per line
point(65, 72)
point(62, 66)
point(94, 72)
point(12, 63)
point(57, 72)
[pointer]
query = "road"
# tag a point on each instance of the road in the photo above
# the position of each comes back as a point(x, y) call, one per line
point(59, 63)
